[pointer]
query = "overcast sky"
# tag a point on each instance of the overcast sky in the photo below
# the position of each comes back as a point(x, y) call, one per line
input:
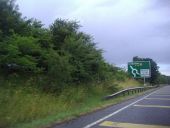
point(122, 28)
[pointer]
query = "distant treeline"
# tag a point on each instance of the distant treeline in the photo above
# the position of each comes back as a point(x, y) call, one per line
point(163, 79)
point(156, 76)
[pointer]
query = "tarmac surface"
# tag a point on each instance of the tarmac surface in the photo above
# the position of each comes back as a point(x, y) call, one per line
point(152, 110)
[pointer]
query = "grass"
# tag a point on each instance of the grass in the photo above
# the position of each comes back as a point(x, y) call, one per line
point(128, 83)
point(27, 107)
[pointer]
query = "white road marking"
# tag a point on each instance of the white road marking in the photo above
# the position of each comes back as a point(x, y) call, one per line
point(114, 113)
point(111, 124)
point(157, 99)
point(151, 106)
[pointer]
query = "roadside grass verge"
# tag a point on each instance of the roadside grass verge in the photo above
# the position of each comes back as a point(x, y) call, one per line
point(28, 107)
point(129, 83)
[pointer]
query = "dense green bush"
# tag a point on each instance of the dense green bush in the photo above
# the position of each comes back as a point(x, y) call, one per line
point(61, 54)
point(20, 53)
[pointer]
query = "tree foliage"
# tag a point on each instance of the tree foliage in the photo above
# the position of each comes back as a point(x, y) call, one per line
point(163, 79)
point(154, 69)
point(61, 53)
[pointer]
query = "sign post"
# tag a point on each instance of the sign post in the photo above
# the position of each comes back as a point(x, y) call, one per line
point(144, 81)
point(140, 69)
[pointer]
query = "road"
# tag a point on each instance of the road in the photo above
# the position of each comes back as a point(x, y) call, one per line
point(151, 110)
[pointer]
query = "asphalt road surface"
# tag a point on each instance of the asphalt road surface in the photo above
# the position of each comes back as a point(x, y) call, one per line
point(151, 110)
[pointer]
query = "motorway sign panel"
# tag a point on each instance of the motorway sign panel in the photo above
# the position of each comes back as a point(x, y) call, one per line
point(139, 69)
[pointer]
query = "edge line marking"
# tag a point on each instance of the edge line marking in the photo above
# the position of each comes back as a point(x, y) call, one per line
point(119, 110)
point(151, 106)
point(111, 124)
point(157, 98)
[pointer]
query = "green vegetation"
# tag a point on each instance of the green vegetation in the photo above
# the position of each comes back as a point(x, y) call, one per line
point(25, 106)
point(60, 55)
point(154, 69)
point(156, 76)
point(50, 74)
point(163, 79)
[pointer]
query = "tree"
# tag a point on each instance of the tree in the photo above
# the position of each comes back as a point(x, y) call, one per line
point(59, 71)
point(60, 54)
point(11, 22)
point(163, 79)
point(154, 69)
point(60, 29)
point(86, 60)
point(10, 18)
point(20, 54)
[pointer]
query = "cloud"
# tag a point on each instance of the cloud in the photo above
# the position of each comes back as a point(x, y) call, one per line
point(122, 28)
point(164, 69)
point(46, 10)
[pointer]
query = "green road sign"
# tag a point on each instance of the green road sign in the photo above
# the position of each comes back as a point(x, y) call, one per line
point(139, 69)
